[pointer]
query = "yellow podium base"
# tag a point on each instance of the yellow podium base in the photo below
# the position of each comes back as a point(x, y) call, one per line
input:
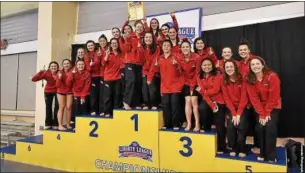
point(131, 141)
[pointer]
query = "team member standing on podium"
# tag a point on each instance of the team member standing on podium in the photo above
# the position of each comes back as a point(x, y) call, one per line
point(236, 99)
point(93, 63)
point(49, 93)
point(187, 60)
point(80, 80)
point(209, 86)
point(171, 86)
point(263, 87)
point(112, 77)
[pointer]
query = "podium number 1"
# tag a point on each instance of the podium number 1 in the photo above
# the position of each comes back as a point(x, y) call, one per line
point(186, 146)
point(136, 124)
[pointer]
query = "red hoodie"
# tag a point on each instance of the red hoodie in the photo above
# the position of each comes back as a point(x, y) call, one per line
point(61, 83)
point(189, 69)
point(265, 95)
point(49, 77)
point(222, 62)
point(211, 87)
point(95, 68)
point(149, 59)
point(81, 82)
point(244, 65)
point(101, 54)
point(130, 47)
point(171, 76)
point(205, 54)
point(113, 67)
point(235, 96)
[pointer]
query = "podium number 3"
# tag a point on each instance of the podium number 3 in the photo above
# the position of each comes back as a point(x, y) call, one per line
point(95, 127)
point(136, 124)
point(187, 146)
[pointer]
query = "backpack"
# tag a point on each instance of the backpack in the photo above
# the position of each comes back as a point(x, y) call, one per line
point(293, 149)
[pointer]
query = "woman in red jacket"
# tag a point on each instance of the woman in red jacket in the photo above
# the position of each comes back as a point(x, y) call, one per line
point(171, 86)
point(174, 38)
point(236, 99)
point(263, 88)
point(64, 94)
point(149, 91)
point(204, 52)
point(101, 52)
point(165, 28)
point(49, 93)
point(80, 80)
point(112, 78)
point(209, 86)
point(133, 66)
point(93, 63)
point(187, 60)
point(226, 55)
point(80, 54)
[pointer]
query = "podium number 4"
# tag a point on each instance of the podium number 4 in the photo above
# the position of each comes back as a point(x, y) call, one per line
point(136, 123)
point(95, 127)
point(187, 146)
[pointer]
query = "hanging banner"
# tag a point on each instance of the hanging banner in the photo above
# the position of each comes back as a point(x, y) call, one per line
point(189, 21)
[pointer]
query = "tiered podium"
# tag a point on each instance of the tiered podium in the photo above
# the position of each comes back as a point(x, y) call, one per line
point(132, 141)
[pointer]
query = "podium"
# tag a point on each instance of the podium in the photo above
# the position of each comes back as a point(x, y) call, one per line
point(132, 141)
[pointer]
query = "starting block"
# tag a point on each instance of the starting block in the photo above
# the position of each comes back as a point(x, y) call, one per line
point(132, 141)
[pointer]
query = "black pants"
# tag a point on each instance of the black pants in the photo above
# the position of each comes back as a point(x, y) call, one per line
point(133, 79)
point(251, 127)
point(112, 95)
point(95, 94)
point(81, 109)
point(123, 82)
point(206, 120)
point(145, 91)
point(154, 91)
point(267, 136)
point(237, 135)
point(101, 97)
point(51, 116)
point(171, 109)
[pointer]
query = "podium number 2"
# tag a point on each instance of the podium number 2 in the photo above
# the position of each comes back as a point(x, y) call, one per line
point(95, 127)
point(136, 124)
point(248, 169)
point(186, 146)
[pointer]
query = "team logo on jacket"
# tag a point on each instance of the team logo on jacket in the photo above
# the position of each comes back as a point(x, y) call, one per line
point(135, 150)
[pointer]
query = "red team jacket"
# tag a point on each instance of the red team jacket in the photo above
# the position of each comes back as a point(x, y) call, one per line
point(221, 65)
point(81, 82)
point(265, 95)
point(95, 68)
point(189, 70)
point(51, 80)
point(211, 89)
point(101, 54)
point(244, 65)
point(149, 60)
point(235, 96)
point(131, 49)
point(61, 83)
point(205, 54)
point(112, 67)
point(171, 76)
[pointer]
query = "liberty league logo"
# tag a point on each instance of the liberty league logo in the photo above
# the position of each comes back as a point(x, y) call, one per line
point(135, 150)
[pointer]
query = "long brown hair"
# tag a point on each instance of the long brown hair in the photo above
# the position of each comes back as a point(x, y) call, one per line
point(226, 77)
point(251, 76)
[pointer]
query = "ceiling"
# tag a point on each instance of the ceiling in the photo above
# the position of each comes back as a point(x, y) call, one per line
point(8, 8)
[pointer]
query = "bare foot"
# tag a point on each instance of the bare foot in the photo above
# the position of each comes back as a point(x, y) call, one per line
point(92, 113)
point(260, 158)
point(255, 150)
point(219, 152)
point(242, 155)
point(126, 106)
point(154, 108)
point(102, 114)
point(233, 154)
point(61, 128)
point(138, 107)
point(145, 108)
point(188, 128)
point(176, 128)
point(55, 127)
point(184, 124)
point(202, 131)
point(164, 128)
point(196, 129)
point(69, 127)
point(107, 115)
